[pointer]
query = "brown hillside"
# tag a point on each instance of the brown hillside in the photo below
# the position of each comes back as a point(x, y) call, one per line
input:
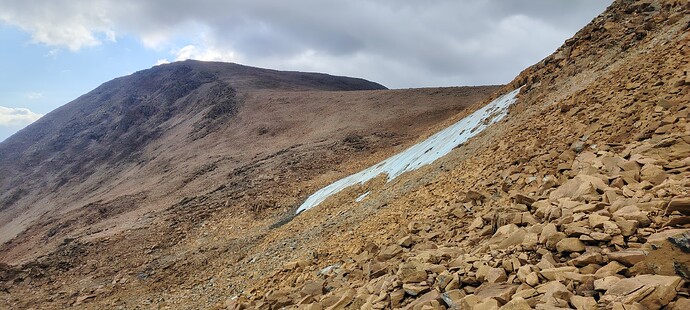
point(578, 200)
point(232, 147)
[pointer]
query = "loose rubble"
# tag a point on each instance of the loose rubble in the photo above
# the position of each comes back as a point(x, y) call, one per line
point(599, 223)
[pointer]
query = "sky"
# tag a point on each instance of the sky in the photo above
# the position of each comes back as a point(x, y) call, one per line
point(53, 51)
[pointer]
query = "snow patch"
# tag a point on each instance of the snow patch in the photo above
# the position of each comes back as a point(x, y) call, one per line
point(422, 153)
point(361, 197)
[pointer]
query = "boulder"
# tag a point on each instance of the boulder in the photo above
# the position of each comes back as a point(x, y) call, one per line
point(651, 291)
point(668, 254)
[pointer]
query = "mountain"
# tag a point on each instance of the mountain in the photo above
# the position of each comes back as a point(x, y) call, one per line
point(570, 192)
point(577, 199)
point(148, 161)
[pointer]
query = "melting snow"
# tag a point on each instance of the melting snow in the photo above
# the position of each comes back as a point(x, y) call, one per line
point(361, 197)
point(422, 153)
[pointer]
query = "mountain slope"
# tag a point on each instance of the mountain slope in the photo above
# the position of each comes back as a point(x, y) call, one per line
point(578, 199)
point(136, 172)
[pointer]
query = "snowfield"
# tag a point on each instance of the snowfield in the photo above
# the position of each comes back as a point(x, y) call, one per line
point(422, 153)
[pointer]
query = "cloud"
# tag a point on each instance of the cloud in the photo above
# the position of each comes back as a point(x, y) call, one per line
point(34, 96)
point(404, 43)
point(17, 117)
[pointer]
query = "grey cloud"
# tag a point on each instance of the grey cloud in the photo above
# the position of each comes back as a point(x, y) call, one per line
point(400, 43)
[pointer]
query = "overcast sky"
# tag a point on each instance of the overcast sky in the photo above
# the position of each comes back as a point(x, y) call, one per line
point(55, 50)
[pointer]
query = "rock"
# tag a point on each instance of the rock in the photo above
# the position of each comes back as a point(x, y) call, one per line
point(389, 252)
point(530, 241)
point(651, 291)
point(605, 283)
point(523, 199)
point(553, 291)
point(517, 303)
point(396, 298)
point(587, 258)
point(532, 279)
point(599, 236)
point(610, 269)
point(633, 213)
point(553, 240)
point(653, 173)
point(570, 245)
point(681, 205)
point(415, 289)
point(406, 241)
point(411, 273)
point(628, 257)
point(453, 298)
point(597, 221)
point(668, 254)
point(583, 303)
point(488, 304)
point(494, 275)
point(680, 304)
point(627, 227)
point(312, 288)
point(430, 300)
point(548, 231)
point(476, 224)
point(552, 274)
point(499, 291)
point(469, 302)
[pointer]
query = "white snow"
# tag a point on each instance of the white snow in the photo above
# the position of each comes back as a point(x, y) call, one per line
point(422, 153)
point(361, 197)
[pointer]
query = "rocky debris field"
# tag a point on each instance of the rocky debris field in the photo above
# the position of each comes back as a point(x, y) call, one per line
point(579, 200)
point(606, 236)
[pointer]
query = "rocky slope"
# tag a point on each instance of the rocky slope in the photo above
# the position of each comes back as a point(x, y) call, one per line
point(118, 198)
point(580, 199)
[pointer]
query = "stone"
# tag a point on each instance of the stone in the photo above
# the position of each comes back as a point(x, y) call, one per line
point(406, 241)
point(605, 283)
point(530, 241)
point(668, 253)
point(583, 303)
point(554, 239)
point(552, 291)
point(469, 301)
point(517, 303)
point(453, 298)
point(396, 297)
point(389, 252)
point(570, 245)
point(587, 258)
point(597, 221)
point(627, 227)
point(430, 300)
point(494, 275)
point(651, 291)
point(488, 304)
point(653, 174)
point(681, 205)
point(633, 213)
point(312, 288)
point(548, 231)
point(477, 223)
point(612, 268)
point(552, 274)
point(628, 257)
point(414, 289)
point(599, 236)
point(680, 304)
point(409, 273)
point(532, 279)
point(498, 291)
